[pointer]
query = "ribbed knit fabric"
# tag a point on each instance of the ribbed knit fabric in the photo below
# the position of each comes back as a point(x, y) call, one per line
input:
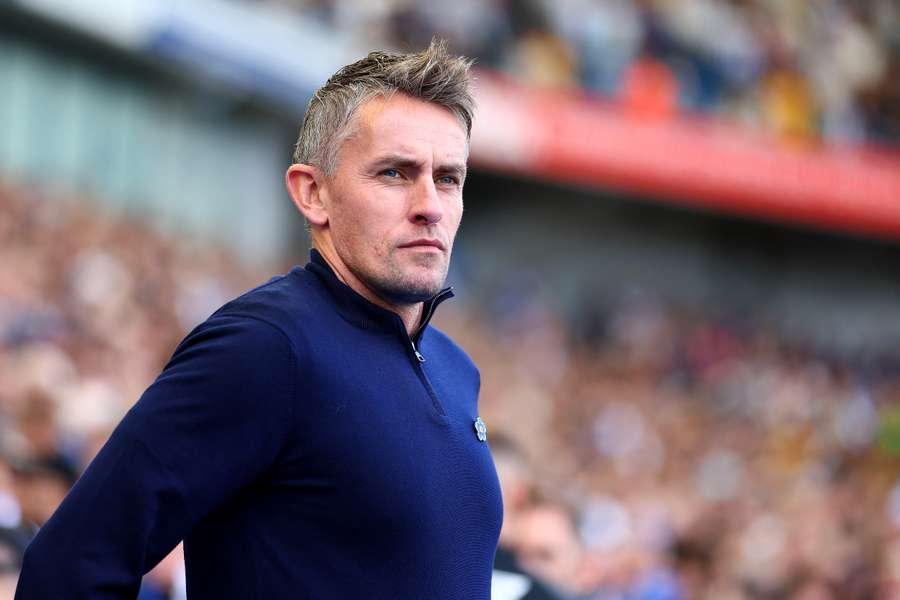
point(302, 450)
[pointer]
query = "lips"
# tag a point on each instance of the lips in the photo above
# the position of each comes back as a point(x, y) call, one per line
point(424, 242)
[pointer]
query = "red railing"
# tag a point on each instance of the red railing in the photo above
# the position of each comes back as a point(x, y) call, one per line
point(567, 137)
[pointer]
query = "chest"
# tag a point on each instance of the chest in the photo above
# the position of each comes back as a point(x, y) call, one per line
point(388, 444)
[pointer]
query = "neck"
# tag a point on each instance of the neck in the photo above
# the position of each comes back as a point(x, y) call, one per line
point(410, 314)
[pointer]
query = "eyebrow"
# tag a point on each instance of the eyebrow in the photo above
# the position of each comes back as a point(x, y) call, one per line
point(399, 160)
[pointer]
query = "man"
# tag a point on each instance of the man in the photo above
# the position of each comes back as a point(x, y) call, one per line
point(314, 438)
point(548, 545)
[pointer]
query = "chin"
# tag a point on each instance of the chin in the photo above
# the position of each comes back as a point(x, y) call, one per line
point(405, 284)
point(411, 292)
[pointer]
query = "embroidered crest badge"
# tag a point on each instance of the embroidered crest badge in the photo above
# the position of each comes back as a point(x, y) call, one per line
point(480, 430)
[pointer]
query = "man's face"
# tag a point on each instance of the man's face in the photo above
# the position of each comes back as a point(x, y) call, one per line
point(395, 201)
point(548, 546)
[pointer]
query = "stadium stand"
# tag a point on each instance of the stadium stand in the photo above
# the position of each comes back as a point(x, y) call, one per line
point(698, 453)
point(806, 70)
point(704, 457)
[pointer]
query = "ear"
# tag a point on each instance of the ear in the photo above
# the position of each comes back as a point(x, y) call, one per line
point(304, 184)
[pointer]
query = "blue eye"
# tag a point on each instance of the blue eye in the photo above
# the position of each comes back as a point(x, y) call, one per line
point(448, 179)
point(391, 173)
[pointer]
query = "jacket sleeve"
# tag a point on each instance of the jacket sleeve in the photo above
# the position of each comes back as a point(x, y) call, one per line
point(212, 422)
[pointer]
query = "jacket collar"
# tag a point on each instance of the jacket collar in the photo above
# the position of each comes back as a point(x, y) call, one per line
point(362, 313)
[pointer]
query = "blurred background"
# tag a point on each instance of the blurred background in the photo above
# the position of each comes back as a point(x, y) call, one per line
point(678, 271)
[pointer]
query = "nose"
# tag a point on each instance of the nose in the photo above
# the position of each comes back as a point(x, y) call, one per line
point(426, 207)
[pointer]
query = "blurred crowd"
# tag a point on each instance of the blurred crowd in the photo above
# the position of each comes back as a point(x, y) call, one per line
point(92, 305)
point(659, 452)
point(808, 71)
point(646, 452)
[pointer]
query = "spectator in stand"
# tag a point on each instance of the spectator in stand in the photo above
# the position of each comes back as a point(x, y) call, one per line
point(41, 484)
point(548, 546)
point(510, 581)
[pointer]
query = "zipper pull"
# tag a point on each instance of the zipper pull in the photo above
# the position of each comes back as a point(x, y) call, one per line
point(419, 356)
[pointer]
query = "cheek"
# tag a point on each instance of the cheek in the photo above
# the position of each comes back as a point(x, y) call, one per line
point(453, 218)
point(361, 229)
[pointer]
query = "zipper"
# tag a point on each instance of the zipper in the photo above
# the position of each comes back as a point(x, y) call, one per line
point(423, 377)
point(446, 293)
point(418, 354)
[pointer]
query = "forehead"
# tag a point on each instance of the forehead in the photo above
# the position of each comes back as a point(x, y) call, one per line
point(402, 124)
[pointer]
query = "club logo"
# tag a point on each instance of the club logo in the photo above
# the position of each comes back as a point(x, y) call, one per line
point(480, 430)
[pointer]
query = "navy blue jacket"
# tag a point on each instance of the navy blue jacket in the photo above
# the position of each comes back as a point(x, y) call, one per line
point(301, 449)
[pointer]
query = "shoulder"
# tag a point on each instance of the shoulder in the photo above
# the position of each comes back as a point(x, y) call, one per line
point(226, 369)
point(281, 296)
point(232, 344)
point(439, 344)
point(256, 326)
point(288, 304)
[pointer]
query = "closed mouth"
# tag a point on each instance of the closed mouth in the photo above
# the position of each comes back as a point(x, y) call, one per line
point(428, 243)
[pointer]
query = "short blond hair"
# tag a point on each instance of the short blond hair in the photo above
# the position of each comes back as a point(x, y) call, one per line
point(432, 75)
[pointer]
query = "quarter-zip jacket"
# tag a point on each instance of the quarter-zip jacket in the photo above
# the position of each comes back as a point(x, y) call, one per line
point(302, 449)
